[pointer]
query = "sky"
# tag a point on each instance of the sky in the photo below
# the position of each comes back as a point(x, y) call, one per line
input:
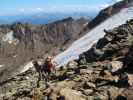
point(8, 7)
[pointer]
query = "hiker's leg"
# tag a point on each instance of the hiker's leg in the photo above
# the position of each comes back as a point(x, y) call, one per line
point(39, 79)
point(43, 75)
point(49, 74)
point(53, 72)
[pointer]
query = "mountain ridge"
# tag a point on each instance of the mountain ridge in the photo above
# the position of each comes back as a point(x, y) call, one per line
point(108, 12)
point(22, 42)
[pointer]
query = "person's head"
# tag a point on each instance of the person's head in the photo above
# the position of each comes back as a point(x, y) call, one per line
point(34, 62)
point(49, 58)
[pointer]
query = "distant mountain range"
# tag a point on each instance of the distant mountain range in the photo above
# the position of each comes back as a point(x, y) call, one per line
point(43, 18)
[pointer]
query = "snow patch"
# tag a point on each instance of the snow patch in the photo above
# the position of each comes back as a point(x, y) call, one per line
point(86, 42)
point(14, 56)
point(26, 67)
point(29, 65)
point(10, 38)
point(1, 66)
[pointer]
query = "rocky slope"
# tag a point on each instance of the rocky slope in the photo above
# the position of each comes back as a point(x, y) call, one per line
point(19, 43)
point(114, 44)
point(102, 73)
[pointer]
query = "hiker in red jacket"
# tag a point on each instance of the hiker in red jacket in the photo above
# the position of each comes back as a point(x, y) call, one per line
point(48, 66)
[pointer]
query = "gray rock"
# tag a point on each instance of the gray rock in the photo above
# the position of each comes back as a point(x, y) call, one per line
point(87, 92)
point(88, 85)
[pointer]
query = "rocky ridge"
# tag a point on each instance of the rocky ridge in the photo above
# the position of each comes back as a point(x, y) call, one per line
point(102, 73)
point(108, 12)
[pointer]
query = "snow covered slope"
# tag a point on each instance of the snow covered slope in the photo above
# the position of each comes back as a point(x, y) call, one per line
point(85, 43)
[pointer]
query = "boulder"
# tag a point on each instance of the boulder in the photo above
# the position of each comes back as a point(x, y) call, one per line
point(85, 71)
point(88, 92)
point(113, 66)
point(116, 65)
point(72, 65)
point(71, 94)
point(88, 85)
point(82, 59)
point(130, 79)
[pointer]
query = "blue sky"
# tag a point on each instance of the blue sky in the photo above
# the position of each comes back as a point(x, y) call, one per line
point(34, 6)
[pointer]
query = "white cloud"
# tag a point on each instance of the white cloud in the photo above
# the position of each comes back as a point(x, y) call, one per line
point(104, 6)
point(71, 8)
point(39, 9)
point(22, 10)
point(67, 8)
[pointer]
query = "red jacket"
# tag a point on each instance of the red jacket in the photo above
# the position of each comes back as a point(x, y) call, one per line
point(50, 65)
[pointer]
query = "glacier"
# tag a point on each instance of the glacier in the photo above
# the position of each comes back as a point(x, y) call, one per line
point(86, 42)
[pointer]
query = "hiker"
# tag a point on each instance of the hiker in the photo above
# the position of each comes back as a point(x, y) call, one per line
point(39, 71)
point(48, 66)
point(38, 68)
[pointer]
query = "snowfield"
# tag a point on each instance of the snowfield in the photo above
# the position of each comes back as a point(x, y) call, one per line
point(26, 66)
point(86, 42)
